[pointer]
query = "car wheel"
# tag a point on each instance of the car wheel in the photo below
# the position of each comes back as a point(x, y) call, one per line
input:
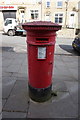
point(11, 32)
point(74, 48)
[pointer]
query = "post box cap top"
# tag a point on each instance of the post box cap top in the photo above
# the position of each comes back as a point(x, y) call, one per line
point(39, 24)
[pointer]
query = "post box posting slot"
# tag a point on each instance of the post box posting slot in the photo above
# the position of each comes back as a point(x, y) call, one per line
point(41, 52)
point(42, 39)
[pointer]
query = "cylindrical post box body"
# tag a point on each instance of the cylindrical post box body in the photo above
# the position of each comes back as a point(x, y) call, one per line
point(40, 48)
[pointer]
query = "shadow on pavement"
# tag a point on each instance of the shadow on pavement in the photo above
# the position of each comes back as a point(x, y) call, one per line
point(7, 49)
point(69, 49)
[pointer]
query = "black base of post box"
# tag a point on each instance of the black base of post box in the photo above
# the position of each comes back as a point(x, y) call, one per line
point(40, 94)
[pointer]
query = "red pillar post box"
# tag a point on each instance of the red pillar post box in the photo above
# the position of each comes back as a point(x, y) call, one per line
point(40, 46)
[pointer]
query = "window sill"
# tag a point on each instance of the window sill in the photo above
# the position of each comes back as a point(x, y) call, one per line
point(59, 7)
point(47, 7)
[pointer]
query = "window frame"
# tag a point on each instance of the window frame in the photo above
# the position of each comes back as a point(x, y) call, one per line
point(8, 22)
point(48, 4)
point(34, 14)
point(58, 4)
point(58, 17)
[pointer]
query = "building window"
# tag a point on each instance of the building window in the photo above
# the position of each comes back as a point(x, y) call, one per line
point(22, 11)
point(48, 4)
point(22, 15)
point(58, 18)
point(59, 4)
point(72, 14)
point(34, 14)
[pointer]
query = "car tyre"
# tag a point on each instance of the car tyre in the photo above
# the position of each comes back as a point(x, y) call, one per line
point(11, 32)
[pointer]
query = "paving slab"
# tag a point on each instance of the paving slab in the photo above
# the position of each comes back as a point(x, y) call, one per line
point(13, 115)
point(0, 116)
point(74, 72)
point(70, 58)
point(57, 58)
point(60, 107)
point(62, 78)
point(62, 72)
point(59, 64)
point(12, 68)
point(73, 90)
point(23, 69)
point(0, 105)
point(7, 74)
point(3, 102)
point(14, 63)
point(17, 62)
point(7, 86)
point(0, 89)
point(8, 55)
point(18, 100)
point(72, 64)
point(79, 98)
point(19, 55)
point(59, 86)
point(6, 62)
point(13, 56)
point(20, 76)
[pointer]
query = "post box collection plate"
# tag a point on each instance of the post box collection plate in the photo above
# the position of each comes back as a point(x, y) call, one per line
point(41, 52)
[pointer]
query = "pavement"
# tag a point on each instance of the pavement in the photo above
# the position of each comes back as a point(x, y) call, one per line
point(15, 99)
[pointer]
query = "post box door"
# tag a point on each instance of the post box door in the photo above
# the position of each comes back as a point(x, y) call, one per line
point(40, 62)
